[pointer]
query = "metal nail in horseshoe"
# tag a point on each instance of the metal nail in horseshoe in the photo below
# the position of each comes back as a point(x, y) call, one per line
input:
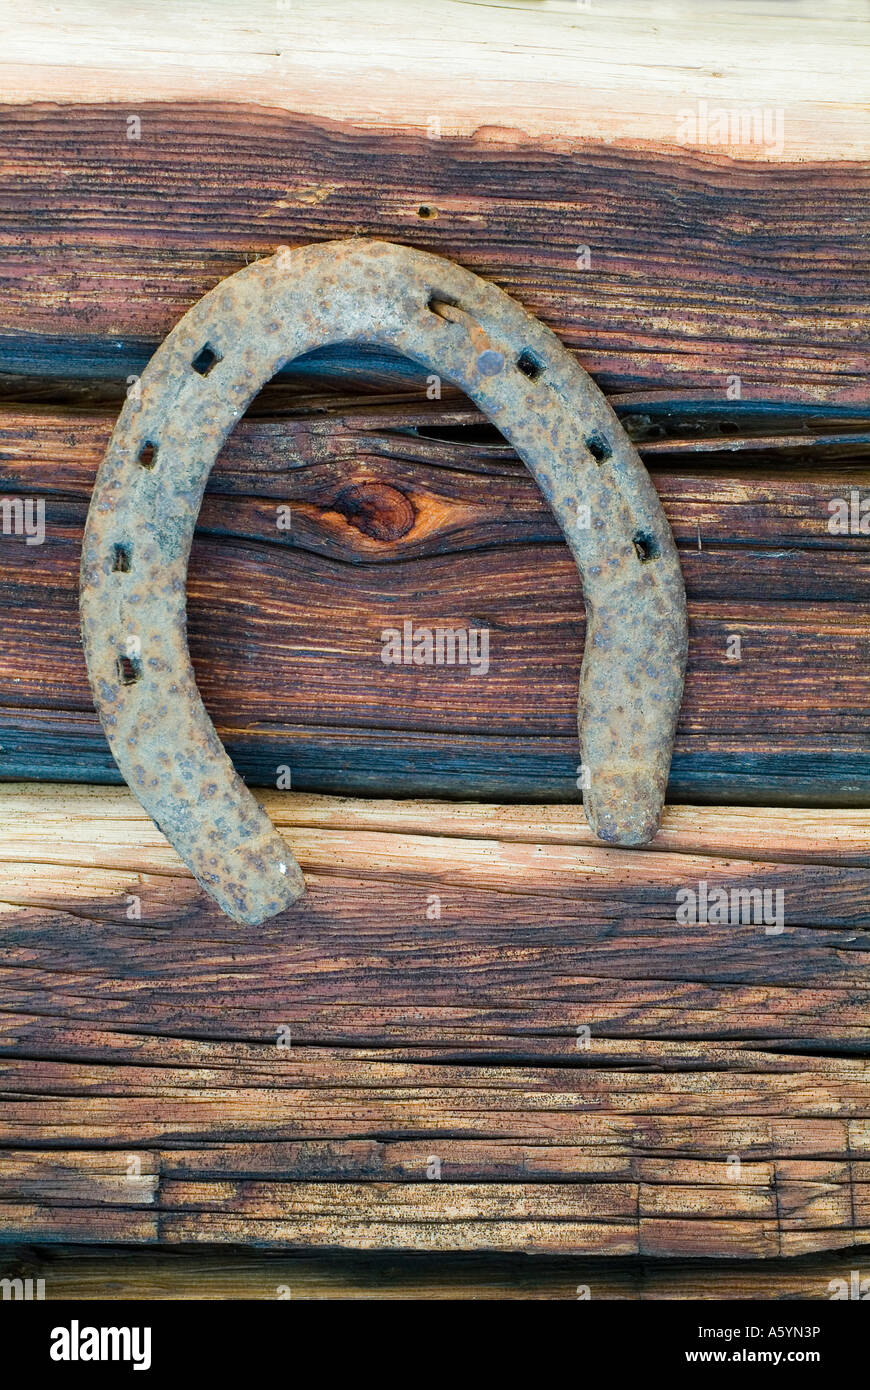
point(149, 488)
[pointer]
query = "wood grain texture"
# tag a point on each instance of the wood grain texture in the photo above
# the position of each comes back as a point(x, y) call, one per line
point(417, 511)
point(559, 72)
point(228, 1273)
point(701, 268)
point(483, 1033)
point(171, 1078)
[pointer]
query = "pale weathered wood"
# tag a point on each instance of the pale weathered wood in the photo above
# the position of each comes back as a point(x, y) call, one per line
point(54, 824)
point(558, 72)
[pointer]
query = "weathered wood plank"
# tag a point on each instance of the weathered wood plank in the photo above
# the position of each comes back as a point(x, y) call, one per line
point(403, 1063)
point(562, 73)
point(702, 269)
point(73, 1272)
point(404, 513)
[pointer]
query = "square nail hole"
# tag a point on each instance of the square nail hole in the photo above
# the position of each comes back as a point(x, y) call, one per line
point(147, 456)
point(121, 559)
point(598, 447)
point(129, 670)
point(647, 546)
point(530, 365)
point(205, 359)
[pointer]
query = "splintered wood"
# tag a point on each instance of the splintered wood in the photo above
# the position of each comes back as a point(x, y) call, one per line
point(480, 1030)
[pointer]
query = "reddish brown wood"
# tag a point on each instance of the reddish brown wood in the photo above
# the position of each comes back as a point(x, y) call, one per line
point(702, 267)
point(402, 512)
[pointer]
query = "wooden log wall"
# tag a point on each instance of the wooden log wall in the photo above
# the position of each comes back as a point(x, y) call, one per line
point(413, 510)
point(481, 1032)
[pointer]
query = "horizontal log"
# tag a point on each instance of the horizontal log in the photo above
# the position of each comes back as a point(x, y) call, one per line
point(672, 264)
point(571, 73)
point(405, 513)
point(400, 1063)
point(77, 1272)
point(74, 1187)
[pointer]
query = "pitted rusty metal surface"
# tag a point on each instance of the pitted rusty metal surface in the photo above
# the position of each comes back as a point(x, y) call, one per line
point(150, 485)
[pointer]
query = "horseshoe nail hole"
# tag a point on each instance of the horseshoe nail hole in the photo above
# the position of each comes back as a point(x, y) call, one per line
point(647, 546)
point(205, 359)
point(598, 447)
point(121, 559)
point(530, 365)
point(424, 210)
point(147, 456)
point(129, 670)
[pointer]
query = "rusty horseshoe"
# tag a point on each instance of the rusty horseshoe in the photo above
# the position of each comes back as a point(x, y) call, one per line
point(150, 484)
